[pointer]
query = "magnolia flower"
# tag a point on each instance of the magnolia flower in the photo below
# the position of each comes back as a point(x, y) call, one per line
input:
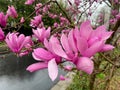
point(22, 19)
point(29, 2)
point(37, 8)
point(17, 43)
point(90, 41)
point(37, 21)
point(77, 2)
point(41, 33)
point(114, 12)
point(48, 59)
point(118, 16)
point(113, 21)
point(69, 51)
point(85, 64)
point(12, 12)
point(63, 21)
point(79, 45)
point(2, 36)
point(56, 24)
point(3, 19)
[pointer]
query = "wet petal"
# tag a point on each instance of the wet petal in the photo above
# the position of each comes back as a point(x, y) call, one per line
point(107, 47)
point(37, 66)
point(71, 41)
point(65, 44)
point(52, 69)
point(42, 54)
point(85, 64)
point(58, 50)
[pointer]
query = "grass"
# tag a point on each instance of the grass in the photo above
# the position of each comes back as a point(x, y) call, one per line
point(80, 82)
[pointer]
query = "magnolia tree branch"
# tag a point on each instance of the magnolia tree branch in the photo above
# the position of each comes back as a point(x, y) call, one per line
point(63, 11)
point(84, 12)
point(27, 18)
point(115, 28)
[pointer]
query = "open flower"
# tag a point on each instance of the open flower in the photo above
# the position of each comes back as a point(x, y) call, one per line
point(90, 41)
point(80, 45)
point(18, 42)
point(41, 33)
point(12, 12)
point(48, 59)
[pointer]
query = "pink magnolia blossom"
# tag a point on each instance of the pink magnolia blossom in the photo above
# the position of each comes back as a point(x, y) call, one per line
point(41, 33)
point(37, 8)
point(3, 19)
point(56, 24)
point(68, 67)
point(63, 21)
point(22, 19)
point(118, 16)
point(113, 21)
point(48, 59)
point(85, 41)
point(29, 2)
point(12, 12)
point(53, 16)
point(37, 21)
point(116, 1)
point(45, 9)
point(85, 64)
point(92, 41)
point(17, 43)
point(77, 2)
point(114, 12)
point(2, 36)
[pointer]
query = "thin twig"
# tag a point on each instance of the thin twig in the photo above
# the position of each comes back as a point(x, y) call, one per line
point(107, 59)
point(63, 11)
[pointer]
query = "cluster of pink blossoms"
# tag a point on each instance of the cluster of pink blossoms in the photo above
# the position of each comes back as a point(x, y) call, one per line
point(17, 43)
point(78, 47)
point(11, 12)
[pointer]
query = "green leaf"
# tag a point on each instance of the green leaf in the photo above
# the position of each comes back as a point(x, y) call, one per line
point(101, 75)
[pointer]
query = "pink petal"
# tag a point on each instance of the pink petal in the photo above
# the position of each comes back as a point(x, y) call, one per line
point(52, 69)
point(85, 29)
point(71, 41)
point(46, 44)
point(81, 44)
point(68, 67)
point(96, 47)
point(42, 54)
point(101, 33)
point(62, 78)
point(76, 32)
point(37, 66)
point(85, 64)
point(47, 33)
point(65, 44)
point(107, 47)
point(29, 2)
point(20, 40)
point(58, 50)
